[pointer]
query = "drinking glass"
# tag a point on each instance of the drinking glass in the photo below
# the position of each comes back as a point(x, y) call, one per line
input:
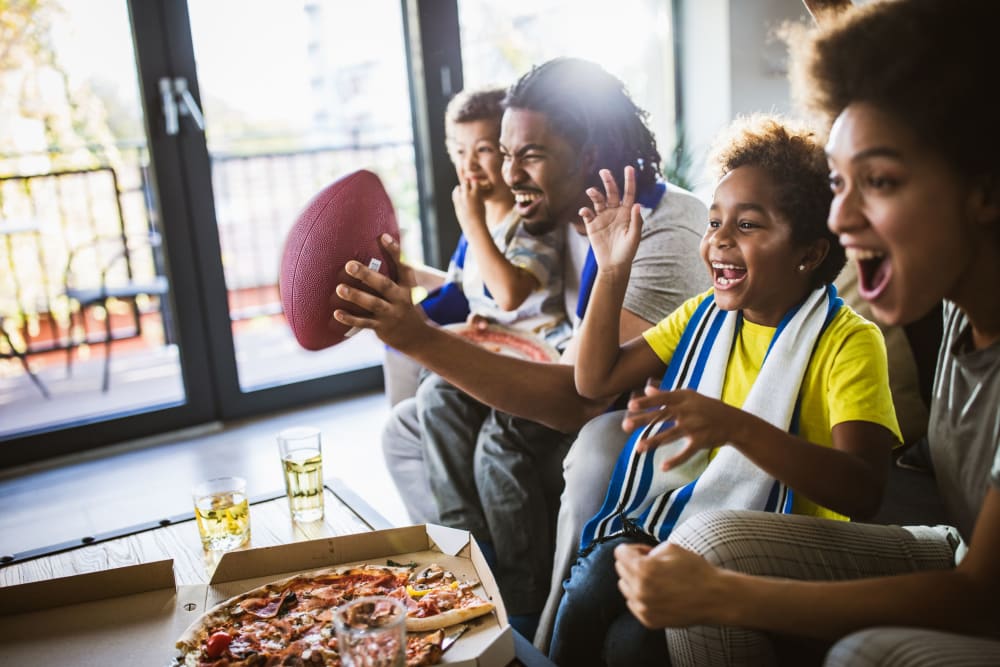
point(222, 512)
point(302, 460)
point(371, 632)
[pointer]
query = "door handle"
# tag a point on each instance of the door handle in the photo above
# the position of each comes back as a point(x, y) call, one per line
point(169, 106)
point(177, 101)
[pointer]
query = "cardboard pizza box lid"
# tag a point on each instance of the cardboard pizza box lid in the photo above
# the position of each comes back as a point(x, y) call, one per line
point(88, 587)
point(133, 615)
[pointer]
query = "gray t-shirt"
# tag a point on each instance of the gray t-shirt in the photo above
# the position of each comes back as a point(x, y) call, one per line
point(964, 428)
point(667, 269)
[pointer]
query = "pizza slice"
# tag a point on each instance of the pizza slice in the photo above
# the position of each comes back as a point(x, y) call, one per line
point(438, 600)
point(425, 649)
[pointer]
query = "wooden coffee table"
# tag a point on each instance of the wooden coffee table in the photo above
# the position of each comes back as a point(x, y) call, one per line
point(177, 539)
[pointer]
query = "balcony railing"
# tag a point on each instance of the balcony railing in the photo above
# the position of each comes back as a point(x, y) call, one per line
point(47, 217)
point(43, 218)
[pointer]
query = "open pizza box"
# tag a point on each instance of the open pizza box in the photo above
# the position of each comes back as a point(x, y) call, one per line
point(133, 615)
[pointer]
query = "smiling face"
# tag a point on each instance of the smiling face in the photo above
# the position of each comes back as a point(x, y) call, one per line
point(749, 250)
point(901, 213)
point(546, 173)
point(474, 150)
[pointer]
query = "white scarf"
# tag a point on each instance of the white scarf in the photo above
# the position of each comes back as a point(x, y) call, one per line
point(643, 498)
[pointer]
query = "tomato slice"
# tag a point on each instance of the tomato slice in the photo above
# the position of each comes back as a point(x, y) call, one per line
point(217, 644)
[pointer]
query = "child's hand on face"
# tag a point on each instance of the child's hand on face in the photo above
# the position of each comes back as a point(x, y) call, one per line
point(469, 207)
point(614, 226)
point(703, 422)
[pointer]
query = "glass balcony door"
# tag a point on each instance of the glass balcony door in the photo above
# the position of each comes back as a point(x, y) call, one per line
point(296, 95)
point(88, 332)
point(190, 136)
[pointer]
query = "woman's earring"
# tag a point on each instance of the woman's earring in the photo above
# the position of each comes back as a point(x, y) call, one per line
point(802, 267)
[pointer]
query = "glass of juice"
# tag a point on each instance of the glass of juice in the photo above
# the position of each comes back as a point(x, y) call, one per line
point(302, 459)
point(223, 513)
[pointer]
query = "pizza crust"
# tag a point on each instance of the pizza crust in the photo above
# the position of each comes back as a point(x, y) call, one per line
point(449, 617)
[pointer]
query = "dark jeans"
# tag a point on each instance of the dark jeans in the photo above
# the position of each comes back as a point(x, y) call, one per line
point(594, 626)
point(499, 477)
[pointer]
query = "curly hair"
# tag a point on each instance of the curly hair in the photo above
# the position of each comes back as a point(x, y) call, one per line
point(792, 155)
point(472, 105)
point(927, 63)
point(591, 109)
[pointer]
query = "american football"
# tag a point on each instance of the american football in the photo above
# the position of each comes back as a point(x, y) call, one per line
point(342, 222)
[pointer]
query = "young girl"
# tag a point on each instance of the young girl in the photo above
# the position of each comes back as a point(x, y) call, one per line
point(768, 362)
point(914, 172)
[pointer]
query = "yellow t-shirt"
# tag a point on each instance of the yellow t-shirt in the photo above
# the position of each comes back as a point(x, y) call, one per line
point(847, 378)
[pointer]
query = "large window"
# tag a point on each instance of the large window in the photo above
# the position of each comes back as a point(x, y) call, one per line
point(296, 95)
point(632, 39)
point(85, 300)
point(155, 157)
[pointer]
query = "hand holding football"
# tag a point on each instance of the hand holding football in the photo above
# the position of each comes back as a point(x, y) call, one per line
point(343, 222)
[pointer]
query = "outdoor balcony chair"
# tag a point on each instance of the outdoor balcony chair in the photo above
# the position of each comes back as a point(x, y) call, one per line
point(22, 356)
point(116, 281)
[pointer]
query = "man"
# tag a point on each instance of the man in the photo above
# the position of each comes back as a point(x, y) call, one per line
point(564, 120)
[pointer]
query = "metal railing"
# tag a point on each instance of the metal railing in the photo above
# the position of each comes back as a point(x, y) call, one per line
point(44, 217)
point(258, 197)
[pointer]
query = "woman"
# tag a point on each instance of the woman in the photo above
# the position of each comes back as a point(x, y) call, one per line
point(914, 171)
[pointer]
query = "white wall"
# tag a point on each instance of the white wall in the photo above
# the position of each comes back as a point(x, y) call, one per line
point(731, 64)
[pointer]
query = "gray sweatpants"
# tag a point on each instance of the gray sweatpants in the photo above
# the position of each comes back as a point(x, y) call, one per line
point(460, 463)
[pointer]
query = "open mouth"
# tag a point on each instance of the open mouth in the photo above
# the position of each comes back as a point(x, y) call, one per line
point(525, 202)
point(727, 276)
point(874, 271)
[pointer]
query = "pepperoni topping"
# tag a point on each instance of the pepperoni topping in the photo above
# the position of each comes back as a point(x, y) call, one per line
point(265, 607)
point(501, 341)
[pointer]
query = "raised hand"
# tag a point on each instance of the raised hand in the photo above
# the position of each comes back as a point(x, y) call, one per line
point(703, 422)
point(614, 225)
point(394, 317)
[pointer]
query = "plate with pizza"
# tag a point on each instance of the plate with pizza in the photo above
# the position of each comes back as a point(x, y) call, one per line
point(506, 341)
point(290, 621)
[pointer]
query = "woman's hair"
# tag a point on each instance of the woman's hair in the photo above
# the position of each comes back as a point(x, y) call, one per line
point(793, 157)
point(473, 105)
point(591, 109)
point(930, 64)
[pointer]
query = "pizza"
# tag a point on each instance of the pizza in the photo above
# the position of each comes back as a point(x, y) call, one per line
point(509, 342)
point(290, 621)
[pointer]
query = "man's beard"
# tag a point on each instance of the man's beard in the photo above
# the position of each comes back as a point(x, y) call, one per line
point(539, 227)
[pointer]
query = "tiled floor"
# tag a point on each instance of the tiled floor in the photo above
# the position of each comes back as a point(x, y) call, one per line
point(134, 486)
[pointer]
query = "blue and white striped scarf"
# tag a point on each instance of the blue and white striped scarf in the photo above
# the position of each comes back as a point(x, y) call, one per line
point(644, 498)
